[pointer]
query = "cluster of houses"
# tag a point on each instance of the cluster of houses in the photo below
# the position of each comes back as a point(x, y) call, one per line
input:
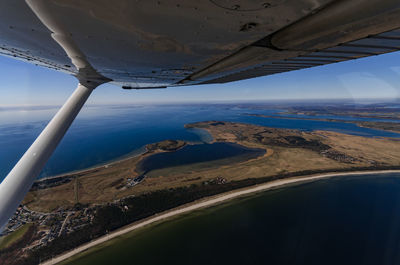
point(49, 225)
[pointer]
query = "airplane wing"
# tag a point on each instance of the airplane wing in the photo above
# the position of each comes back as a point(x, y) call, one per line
point(149, 43)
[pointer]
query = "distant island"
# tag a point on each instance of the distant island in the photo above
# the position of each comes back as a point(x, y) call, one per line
point(381, 125)
point(64, 212)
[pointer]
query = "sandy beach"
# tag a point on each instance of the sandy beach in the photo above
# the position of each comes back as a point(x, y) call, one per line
point(203, 203)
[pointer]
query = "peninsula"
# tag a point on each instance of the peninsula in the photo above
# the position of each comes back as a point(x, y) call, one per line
point(67, 211)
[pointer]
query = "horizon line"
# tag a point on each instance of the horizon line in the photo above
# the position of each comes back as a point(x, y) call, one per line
point(46, 106)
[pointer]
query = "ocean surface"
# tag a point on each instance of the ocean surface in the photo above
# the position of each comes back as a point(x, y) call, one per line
point(342, 220)
point(104, 133)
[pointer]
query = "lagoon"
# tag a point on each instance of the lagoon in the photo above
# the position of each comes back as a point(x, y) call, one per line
point(199, 153)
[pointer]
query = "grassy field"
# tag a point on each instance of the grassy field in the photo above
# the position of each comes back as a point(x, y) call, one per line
point(287, 151)
point(14, 237)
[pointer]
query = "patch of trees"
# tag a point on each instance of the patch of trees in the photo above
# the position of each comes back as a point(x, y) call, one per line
point(51, 182)
point(290, 141)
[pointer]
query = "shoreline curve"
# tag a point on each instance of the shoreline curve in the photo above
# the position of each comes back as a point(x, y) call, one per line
point(204, 203)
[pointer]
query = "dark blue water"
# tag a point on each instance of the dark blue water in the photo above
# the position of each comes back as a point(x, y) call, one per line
point(347, 220)
point(104, 133)
point(199, 153)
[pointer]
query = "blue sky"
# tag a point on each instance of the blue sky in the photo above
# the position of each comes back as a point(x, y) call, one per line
point(373, 77)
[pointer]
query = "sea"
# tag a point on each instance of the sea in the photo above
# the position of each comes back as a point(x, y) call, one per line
point(342, 220)
point(104, 133)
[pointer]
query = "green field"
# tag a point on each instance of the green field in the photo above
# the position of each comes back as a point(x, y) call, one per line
point(14, 237)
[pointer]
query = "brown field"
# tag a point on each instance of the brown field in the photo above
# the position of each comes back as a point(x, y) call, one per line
point(287, 151)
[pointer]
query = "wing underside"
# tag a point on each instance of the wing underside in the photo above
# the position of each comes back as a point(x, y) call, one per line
point(148, 44)
point(372, 45)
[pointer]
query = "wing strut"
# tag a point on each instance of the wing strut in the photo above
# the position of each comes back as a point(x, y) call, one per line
point(18, 182)
point(20, 179)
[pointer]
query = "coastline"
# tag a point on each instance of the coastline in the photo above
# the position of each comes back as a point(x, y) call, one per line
point(208, 202)
point(359, 123)
point(133, 154)
point(140, 151)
